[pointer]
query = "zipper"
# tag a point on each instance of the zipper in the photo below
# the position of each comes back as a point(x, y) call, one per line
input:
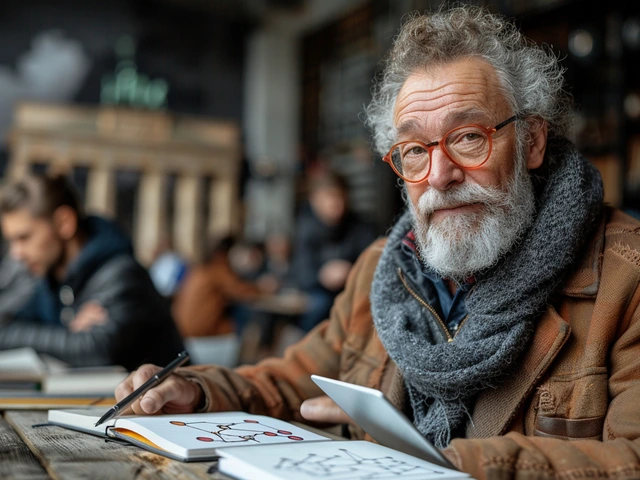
point(431, 309)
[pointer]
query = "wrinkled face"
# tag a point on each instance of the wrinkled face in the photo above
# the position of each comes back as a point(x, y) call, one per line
point(329, 204)
point(464, 219)
point(460, 93)
point(32, 240)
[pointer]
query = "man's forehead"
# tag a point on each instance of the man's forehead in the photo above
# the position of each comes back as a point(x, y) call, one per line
point(464, 85)
point(22, 220)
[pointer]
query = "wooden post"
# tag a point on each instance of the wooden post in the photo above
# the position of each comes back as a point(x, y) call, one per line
point(101, 191)
point(60, 163)
point(222, 202)
point(20, 161)
point(188, 217)
point(150, 219)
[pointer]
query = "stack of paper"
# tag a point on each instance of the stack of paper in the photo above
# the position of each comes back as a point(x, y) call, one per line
point(29, 380)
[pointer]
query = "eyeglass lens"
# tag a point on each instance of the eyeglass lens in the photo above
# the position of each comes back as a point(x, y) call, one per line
point(467, 146)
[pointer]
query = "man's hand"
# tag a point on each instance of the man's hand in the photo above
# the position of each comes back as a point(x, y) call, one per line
point(174, 395)
point(90, 315)
point(323, 410)
point(333, 274)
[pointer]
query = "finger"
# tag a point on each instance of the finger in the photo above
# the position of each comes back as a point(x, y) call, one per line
point(75, 326)
point(324, 410)
point(177, 391)
point(144, 373)
point(132, 382)
point(124, 388)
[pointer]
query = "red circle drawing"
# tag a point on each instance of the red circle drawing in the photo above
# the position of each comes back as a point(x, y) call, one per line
point(251, 421)
point(284, 432)
point(179, 424)
point(205, 439)
point(270, 434)
point(294, 437)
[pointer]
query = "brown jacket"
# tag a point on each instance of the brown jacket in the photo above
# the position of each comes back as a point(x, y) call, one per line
point(200, 307)
point(579, 379)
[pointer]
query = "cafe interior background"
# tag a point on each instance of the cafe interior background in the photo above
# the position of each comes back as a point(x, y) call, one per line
point(188, 119)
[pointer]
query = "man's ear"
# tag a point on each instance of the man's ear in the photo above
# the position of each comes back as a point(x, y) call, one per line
point(65, 221)
point(537, 144)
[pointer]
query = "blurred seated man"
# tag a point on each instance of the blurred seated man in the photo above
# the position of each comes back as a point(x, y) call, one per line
point(202, 306)
point(94, 304)
point(16, 285)
point(502, 312)
point(329, 239)
point(277, 259)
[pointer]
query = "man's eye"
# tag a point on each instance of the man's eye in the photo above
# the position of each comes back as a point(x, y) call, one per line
point(415, 150)
point(472, 136)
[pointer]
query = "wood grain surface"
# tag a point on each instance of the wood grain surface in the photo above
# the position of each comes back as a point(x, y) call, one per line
point(28, 452)
point(16, 460)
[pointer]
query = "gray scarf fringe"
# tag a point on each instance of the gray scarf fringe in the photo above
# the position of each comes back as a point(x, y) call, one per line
point(444, 378)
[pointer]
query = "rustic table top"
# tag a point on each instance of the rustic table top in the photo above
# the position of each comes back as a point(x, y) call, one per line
point(29, 452)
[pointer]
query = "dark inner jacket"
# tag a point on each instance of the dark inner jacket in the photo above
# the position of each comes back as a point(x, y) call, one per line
point(317, 243)
point(139, 328)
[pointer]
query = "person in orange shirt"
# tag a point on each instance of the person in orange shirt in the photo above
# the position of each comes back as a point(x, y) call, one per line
point(201, 306)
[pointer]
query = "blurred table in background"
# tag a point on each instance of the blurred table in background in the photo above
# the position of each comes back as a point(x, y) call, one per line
point(272, 325)
point(288, 303)
point(157, 145)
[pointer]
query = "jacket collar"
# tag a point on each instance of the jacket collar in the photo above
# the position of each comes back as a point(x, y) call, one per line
point(584, 281)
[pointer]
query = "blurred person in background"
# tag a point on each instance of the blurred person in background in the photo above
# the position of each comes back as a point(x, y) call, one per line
point(329, 238)
point(204, 303)
point(168, 269)
point(277, 247)
point(94, 304)
point(16, 285)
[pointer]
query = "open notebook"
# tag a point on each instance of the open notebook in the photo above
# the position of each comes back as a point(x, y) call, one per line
point(188, 437)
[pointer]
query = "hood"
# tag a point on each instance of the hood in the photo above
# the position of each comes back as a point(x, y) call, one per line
point(105, 241)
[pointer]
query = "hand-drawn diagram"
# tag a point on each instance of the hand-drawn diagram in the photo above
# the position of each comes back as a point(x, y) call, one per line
point(234, 432)
point(353, 466)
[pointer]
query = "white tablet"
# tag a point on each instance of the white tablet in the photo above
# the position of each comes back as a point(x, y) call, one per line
point(377, 416)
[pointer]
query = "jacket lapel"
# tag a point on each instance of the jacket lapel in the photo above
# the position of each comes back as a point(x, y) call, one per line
point(495, 409)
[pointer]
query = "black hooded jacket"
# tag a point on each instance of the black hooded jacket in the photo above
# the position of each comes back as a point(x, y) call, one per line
point(139, 328)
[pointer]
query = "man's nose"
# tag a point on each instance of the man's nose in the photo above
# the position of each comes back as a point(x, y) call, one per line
point(444, 173)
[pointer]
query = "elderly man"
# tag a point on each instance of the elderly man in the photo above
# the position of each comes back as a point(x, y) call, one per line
point(501, 313)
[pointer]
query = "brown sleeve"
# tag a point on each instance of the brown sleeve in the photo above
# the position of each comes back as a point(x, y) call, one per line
point(277, 386)
point(198, 308)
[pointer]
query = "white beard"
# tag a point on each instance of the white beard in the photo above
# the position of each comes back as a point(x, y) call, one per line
point(460, 245)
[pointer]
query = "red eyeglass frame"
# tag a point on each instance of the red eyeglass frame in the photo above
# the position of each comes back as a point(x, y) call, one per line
point(490, 131)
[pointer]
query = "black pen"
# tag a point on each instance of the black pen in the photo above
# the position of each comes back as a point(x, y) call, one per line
point(138, 392)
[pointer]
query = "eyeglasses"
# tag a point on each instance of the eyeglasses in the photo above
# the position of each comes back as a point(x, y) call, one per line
point(468, 146)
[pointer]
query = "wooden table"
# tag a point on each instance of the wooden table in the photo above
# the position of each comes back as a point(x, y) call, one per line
point(288, 303)
point(45, 452)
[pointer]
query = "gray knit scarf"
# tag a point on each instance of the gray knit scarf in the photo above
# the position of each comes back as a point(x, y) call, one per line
point(443, 378)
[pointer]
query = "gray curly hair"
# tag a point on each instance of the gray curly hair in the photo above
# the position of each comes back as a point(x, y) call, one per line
point(531, 76)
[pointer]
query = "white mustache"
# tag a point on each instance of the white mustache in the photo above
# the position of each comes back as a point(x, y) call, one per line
point(465, 194)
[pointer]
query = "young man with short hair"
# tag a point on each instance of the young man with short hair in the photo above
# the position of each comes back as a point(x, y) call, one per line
point(94, 304)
